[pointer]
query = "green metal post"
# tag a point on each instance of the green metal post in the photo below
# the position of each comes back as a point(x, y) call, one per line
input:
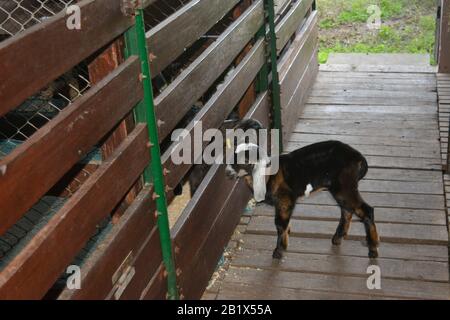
point(136, 44)
point(275, 85)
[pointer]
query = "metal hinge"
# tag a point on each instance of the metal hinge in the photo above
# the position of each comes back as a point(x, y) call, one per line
point(122, 277)
point(130, 6)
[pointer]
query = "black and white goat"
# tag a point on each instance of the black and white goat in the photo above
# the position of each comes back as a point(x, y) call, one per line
point(329, 165)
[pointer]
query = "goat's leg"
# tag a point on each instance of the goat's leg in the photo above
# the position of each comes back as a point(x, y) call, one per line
point(351, 200)
point(343, 227)
point(366, 213)
point(283, 212)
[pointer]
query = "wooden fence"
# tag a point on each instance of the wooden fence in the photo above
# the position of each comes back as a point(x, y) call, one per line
point(218, 63)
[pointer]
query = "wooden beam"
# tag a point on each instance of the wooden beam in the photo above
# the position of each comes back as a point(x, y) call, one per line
point(56, 147)
point(39, 264)
point(24, 59)
point(173, 103)
point(218, 108)
point(291, 22)
point(126, 237)
point(444, 38)
point(170, 38)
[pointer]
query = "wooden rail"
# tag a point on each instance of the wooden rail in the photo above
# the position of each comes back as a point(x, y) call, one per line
point(131, 249)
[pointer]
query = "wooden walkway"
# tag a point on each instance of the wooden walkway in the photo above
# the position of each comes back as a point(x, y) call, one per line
point(389, 113)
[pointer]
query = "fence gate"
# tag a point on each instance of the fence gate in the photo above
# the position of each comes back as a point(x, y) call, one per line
point(86, 118)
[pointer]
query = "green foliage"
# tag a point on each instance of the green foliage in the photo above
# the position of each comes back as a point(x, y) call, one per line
point(408, 26)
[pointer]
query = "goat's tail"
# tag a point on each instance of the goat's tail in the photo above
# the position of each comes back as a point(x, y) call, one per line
point(364, 167)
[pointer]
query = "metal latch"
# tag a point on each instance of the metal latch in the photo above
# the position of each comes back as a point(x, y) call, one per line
point(130, 6)
point(122, 277)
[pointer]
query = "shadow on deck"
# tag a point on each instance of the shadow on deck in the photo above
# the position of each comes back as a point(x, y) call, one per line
point(389, 112)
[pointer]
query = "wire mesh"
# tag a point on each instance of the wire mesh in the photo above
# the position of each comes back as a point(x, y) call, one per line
point(18, 125)
point(19, 15)
point(21, 123)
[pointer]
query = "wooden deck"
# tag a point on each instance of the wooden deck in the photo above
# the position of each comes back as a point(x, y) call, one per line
point(390, 114)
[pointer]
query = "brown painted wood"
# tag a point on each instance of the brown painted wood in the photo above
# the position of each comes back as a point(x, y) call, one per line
point(57, 146)
point(212, 242)
point(389, 232)
point(444, 38)
point(411, 289)
point(297, 58)
point(105, 63)
point(128, 235)
point(351, 266)
point(146, 264)
point(169, 39)
point(157, 287)
point(403, 251)
point(290, 23)
point(217, 108)
point(192, 287)
point(173, 103)
point(192, 227)
point(297, 103)
point(51, 41)
point(55, 245)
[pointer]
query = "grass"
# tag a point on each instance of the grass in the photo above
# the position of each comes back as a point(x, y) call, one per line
point(407, 26)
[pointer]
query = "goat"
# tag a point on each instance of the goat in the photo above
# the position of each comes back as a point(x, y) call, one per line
point(328, 165)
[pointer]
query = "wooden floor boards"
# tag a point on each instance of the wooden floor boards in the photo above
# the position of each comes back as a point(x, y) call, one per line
point(390, 114)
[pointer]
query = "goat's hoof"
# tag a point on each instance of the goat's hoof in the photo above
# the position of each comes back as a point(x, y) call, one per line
point(373, 254)
point(277, 254)
point(336, 240)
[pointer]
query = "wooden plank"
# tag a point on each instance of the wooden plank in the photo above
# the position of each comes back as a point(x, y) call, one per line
point(388, 94)
point(444, 38)
point(94, 115)
point(365, 140)
point(216, 110)
point(431, 152)
point(410, 76)
point(220, 231)
point(291, 22)
point(217, 238)
point(378, 68)
point(169, 39)
point(350, 266)
point(339, 284)
point(173, 103)
point(51, 41)
point(55, 245)
point(366, 123)
point(240, 291)
point(297, 103)
point(388, 215)
point(357, 130)
point(280, 6)
point(374, 108)
point(125, 237)
point(296, 60)
point(388, 200)
point(102, 65)
point(389, 232)
point(147, 266)
point(403, 251)
point(375, 86)
point(192, 227)
point(317, 115)
point(156, 289)
point(371, 101)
